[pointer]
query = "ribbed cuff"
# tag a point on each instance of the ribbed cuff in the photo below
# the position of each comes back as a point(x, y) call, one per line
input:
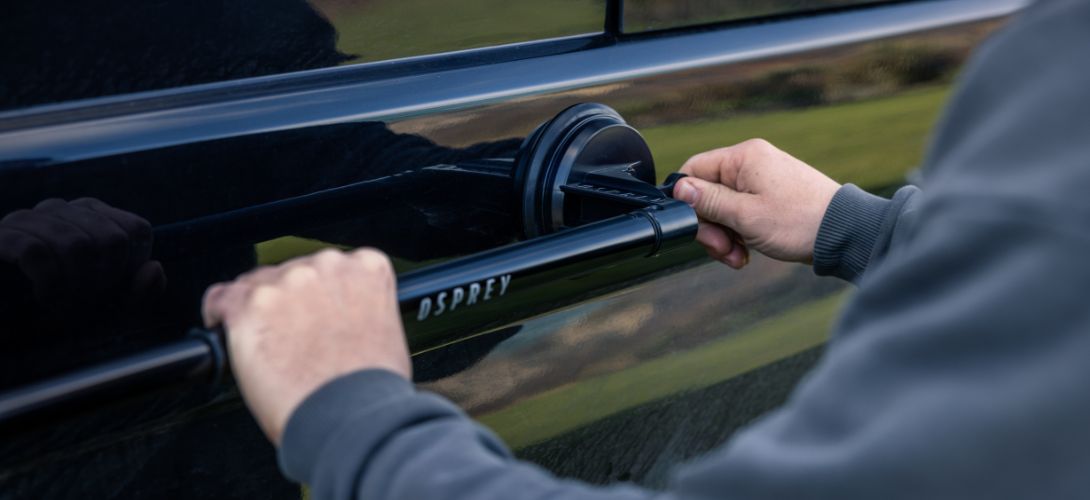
point(319, 418)
point(849, 230)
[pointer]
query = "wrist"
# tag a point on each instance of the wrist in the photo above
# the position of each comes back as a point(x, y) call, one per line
point(848, 231)
point(322, 416)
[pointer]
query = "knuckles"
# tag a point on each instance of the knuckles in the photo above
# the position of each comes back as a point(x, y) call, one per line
point(755, 150)
point(32, 250)
point(373, 261)
point(73, 243)
point(365, 260)
point(699, 158)
point(213, 294)
point(264, 296)
point(18, 215)
point(266, 287)
point(114, 239)
point(757, 145)
point(50, 204)
point(299, 275)
point(327, 257)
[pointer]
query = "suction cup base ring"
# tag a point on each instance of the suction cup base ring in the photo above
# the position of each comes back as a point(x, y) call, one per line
point(580, 139)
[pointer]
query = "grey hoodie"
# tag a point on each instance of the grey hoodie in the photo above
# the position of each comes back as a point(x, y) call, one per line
point(960, 369)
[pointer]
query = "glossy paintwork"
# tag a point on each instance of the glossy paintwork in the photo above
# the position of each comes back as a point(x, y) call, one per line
point(351, 94)
point(440, 304)
point(662, 350)
point(57, 51)
point(621, 386)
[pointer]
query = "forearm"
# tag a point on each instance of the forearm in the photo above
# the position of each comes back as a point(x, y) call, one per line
point(371, 435)
point(957, 371)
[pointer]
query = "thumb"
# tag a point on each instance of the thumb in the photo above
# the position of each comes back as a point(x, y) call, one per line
point(712, 201)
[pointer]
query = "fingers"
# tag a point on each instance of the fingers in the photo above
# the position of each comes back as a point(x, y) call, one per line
point(718, 165)
point(714, 202)
point(723, 245)
point(714, 239)
point(331, 267)
point(293, 327)
point(33, 257)
point(378, 265)
point(103, 262)
point(45, 248)
point(738, 256)
point(220, 300)
point(76, 250)
point(724, 165)
point(137, 230)
point(137, 227)
point(148, 281)
point(712, 190)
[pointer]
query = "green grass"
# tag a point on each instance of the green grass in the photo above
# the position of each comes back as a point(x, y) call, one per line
point(870, 143)
point(387, 29)
point(287, 247)
point(656, 14)
point(571, 406)
point(284, 248)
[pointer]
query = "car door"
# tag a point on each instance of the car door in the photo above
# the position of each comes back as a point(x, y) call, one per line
point(149, 151)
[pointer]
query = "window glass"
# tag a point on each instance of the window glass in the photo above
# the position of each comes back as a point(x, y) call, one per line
point(646, 15)
point(384, 29)
point(55, 51)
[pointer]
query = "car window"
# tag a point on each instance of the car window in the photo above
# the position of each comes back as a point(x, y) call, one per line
point(648, 15)
point(54, 51)
point(385, 29)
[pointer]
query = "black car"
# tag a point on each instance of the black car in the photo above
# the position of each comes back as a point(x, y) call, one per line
point(514, 160)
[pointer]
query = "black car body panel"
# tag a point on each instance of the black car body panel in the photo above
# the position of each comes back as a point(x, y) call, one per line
point(648, 365)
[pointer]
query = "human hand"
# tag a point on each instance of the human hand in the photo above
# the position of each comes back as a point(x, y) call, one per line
point(294, 327)
point(79, 254)
point(753, 195)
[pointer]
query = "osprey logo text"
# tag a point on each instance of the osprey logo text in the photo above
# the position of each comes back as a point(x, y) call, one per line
point(465, 296)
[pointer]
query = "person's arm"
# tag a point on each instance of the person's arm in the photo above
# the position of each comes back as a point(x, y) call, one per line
point(358, 428)
point(958, 370)
point(753, 195)
point(858, 229)
point(370, 434)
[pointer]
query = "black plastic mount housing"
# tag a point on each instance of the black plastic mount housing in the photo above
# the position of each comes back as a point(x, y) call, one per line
point(587, 144)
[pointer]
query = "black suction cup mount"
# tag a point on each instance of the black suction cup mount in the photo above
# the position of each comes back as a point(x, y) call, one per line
point(587, 147)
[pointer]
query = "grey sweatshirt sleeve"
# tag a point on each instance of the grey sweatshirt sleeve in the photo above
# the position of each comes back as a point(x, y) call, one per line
point(371, 435)
point(858, 229)
point(958, 369)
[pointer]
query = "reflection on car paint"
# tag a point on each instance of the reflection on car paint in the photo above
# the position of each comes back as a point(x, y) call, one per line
point(57, 51)
point(860, 113)
point(646, 15)
point(615, 387)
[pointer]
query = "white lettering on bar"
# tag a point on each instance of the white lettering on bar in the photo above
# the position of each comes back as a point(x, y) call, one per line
point(465, 296)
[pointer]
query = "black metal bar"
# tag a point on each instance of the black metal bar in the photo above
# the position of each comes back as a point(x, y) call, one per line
point(523, 269)
point(189, 358)
point(540, 273)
